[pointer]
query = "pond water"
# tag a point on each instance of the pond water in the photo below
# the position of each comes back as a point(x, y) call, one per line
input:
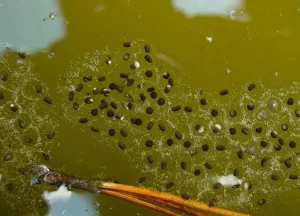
point(187, 97)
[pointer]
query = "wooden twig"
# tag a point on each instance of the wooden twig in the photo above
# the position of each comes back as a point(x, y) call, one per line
point(170, 198)
point(97, 186)
point(171, 205)
point(137, 201)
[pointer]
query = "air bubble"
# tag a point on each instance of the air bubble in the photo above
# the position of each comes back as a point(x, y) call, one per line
point(262, 115)
point(126, 56)
point(273, 105)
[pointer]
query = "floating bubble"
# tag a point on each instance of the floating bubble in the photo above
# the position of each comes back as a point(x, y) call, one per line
point(273, 105)
point(262, 115)
point(126, 56)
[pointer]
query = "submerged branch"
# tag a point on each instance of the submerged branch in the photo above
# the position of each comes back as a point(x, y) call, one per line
point(133, 194)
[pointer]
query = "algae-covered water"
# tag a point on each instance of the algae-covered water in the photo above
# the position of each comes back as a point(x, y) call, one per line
point(181, 96)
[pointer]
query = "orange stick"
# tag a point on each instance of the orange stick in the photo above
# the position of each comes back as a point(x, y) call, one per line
point(170, 198)
point(137, 201)
point(172, 205)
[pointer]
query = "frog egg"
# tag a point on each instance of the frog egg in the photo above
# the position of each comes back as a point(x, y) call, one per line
point(273, 105)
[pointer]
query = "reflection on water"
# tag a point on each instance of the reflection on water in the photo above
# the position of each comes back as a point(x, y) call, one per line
point(224, 8)
point(67, 203)
point(30, 25)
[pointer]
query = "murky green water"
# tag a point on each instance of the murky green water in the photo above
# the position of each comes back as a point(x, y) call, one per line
point(206, 50)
